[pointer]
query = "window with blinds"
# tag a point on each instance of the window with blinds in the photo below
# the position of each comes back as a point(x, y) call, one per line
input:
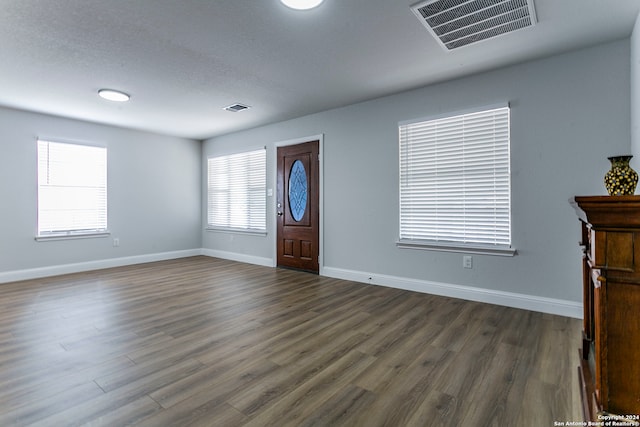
point(455, 182)
point(237, 191)
point(72, 189)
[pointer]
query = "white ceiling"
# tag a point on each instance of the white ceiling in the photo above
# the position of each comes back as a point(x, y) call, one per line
point(182, 61)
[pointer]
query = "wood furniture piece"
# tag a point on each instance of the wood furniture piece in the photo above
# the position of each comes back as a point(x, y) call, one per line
point(609, 368)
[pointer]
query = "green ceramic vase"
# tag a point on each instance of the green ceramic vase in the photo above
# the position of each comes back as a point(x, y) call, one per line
point(621, 179)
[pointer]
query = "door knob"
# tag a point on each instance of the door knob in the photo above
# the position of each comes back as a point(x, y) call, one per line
point(279, 213)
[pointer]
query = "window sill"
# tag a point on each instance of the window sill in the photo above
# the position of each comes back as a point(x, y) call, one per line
point(236, 231)
point(452, 247)
point(71, 236)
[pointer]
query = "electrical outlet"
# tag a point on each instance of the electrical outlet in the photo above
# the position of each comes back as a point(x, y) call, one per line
point(116, 242)
point(467, 261)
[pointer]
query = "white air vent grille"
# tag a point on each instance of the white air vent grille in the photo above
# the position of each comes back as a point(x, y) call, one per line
point(236, 107)
point(457, 23)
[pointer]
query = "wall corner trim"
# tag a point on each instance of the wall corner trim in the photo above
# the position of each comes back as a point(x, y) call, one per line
point(508, 299)
point(234, 256)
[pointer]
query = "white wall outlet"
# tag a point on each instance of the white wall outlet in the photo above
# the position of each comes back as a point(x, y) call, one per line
point(116, 242)
point(467, 261)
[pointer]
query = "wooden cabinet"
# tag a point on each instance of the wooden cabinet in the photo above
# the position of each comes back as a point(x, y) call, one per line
point(610, 355)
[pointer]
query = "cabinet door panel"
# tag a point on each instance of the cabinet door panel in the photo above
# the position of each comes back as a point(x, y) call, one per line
point(620, 250)
point(623, 351)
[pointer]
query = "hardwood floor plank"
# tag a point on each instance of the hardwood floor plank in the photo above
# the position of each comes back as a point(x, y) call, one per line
point(401, 394)
point(188, 400)
point(292, 375)
point(297, 405)
point(150, 376)
point(458, 328)
point(28, 389)
point(44, 404)
point(223, 415)
point(437, 410)
point(341, 409)
point(202, 341)
point(217, 381)
point(462, 372)
point(109, 410)
point(497, 384)
point(323, 338)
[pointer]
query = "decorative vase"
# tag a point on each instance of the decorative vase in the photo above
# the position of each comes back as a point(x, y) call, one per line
point(621, 179)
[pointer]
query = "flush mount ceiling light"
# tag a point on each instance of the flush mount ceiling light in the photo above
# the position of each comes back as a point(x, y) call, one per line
point(113, 95)
point(301, 4)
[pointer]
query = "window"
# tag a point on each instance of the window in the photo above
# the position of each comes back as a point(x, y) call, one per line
point(72, 189)
point(236, 191)
point(455, 183)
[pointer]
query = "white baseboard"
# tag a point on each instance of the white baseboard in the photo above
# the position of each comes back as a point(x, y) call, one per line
point(55, 270)
point(509, 299)
point(234, 256)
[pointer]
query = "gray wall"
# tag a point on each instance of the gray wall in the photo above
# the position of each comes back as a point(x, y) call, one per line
point(569, 112)
point(153, 192)
point(635, 95)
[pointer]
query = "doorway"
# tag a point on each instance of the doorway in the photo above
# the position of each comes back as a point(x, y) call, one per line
point(298, 206)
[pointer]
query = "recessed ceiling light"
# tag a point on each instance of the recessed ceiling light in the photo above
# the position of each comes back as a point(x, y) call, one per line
point(113, 95)
point(301, 4)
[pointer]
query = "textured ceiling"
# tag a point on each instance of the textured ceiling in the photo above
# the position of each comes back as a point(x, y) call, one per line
point(182, 61)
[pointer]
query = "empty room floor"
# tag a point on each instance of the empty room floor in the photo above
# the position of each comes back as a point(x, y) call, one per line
point(208, 342)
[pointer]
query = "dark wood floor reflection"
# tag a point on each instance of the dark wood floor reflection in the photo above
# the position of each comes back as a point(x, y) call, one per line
point(207, 342)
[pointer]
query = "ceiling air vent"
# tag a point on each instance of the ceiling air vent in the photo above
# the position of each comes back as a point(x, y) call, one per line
point(236, 107)
point(457, 23)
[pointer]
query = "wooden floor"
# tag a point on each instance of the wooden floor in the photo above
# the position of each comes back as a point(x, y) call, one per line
point(208, 342)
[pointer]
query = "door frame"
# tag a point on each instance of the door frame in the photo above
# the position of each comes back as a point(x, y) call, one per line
point(272, 200)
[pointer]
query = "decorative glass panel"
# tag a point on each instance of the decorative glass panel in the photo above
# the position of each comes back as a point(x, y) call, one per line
point(297, 190)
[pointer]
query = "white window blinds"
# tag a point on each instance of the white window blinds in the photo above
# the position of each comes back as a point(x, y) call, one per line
point(455, 180)
point(72, 189)
point(237, 191)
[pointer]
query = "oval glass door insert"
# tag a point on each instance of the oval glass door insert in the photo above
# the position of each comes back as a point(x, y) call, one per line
point(297, 190)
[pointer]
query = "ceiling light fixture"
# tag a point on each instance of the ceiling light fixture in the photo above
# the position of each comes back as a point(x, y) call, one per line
point(301, 4)
point(113, 95)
